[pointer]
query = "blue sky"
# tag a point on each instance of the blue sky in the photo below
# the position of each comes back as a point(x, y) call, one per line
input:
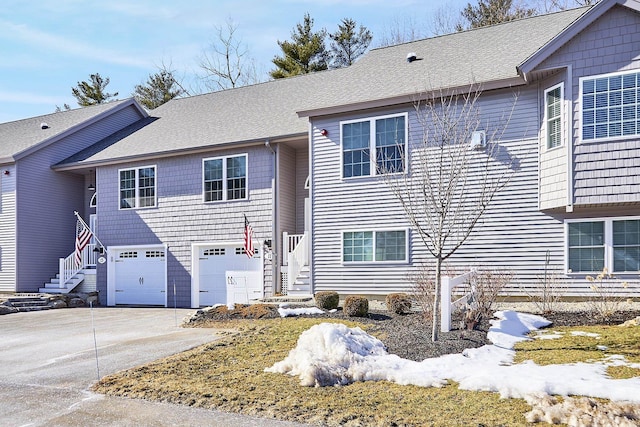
point(47, 46)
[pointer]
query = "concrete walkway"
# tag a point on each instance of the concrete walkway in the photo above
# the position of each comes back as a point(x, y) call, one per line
point(48, 363)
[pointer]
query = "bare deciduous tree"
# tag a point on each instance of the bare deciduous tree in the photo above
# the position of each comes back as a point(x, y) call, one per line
point(450, 185)
point(226, 64)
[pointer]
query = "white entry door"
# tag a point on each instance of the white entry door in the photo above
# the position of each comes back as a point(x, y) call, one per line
point(214, 261)
point(140, 276)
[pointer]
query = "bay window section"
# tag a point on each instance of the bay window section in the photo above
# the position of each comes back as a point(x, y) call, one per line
point(553, 116)
point(374, 246)
point(610, 106)
point(374, 146)
point(626, 246)
point(586, 246)
point(137, 187)
point(225, 178)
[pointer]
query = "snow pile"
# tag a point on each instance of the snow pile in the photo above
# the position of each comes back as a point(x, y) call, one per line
point(333, 354)
point(288, 312)
point(582, 412)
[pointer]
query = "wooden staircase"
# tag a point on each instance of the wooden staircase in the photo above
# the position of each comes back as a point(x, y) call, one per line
point(301, 285)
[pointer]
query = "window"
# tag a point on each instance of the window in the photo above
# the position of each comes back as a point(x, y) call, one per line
point(553, 116)
point(225, 178)
point(374, 246)
point(610, 106)
point(138, 187)
point(610, 243)
point(385, 137)
point(626, 245)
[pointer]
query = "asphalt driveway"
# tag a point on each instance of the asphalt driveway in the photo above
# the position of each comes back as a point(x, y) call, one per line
point(48, 362)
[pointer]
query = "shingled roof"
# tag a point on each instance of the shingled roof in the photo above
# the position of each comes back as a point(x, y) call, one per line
point(22, 136)
point(278, 109)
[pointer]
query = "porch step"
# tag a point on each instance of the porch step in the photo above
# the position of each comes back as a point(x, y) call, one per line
point(29, 303)
point(302, 284)
point(53, 287)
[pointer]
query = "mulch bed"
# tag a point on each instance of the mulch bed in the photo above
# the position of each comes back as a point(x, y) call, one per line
point(409, 335)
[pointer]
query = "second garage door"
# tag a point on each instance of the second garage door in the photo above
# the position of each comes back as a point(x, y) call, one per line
point(214, 262)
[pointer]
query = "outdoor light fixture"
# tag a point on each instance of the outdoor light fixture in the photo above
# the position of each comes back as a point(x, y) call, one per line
point(324, 132)
point(92, 187)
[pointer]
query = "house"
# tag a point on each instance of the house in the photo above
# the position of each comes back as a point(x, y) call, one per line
point(37, 204)
point(298, 158)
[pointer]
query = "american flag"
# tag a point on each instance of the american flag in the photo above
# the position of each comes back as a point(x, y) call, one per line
point(248, 238)
point(83, 237)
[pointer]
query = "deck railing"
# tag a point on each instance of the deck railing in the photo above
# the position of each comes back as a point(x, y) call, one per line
point(289, 243)
point(298, 258)
point(68, 267)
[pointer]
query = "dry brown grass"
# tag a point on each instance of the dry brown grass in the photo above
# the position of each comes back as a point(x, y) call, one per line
point(229, 375)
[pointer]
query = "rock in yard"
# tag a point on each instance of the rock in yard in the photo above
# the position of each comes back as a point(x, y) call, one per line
point(76, 302)
point(7, 309)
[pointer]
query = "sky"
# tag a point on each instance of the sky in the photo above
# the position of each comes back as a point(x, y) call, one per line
point(48, 46)
point(332, 354)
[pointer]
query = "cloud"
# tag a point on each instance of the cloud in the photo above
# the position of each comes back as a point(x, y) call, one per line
point(52, 42)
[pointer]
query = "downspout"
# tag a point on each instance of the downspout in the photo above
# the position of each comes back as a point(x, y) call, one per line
point(275, 200)
point(570, 139)
point(310, 231)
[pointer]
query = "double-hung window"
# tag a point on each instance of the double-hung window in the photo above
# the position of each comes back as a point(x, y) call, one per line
point(553, 115)
point(610, 106)
point(137, 187)
point(225, 178)
point(375, 246)
point(604, 243)
point(374, 146)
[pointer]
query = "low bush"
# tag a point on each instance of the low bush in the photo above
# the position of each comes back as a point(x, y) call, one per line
point(398, 303)
point(327, 300)
point(356, 306)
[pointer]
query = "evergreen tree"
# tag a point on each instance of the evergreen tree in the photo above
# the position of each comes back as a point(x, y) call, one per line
point(92, 93)
point(347, 44)
point(160, 88)
point(491, 12)
point(305, 53)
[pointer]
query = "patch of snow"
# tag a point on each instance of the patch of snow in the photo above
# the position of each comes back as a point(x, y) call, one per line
point(288, 312)
point(585, 334)
point(333, 354)
point(602, 347)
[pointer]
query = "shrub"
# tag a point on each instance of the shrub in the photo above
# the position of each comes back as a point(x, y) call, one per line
point(606, 297)
point(356, 306)
point(424, 287)
point(327, 300)
point(398, 303)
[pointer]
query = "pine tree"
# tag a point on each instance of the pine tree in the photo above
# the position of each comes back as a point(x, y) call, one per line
point(491, 12)
point(347, 45)
point(92, 93)
point(305, 53)
point(160, 88)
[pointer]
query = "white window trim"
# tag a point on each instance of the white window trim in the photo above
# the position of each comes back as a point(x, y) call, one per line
point(224, 177)
point(580, 97)
point(374, 231)
point(608, 243)
point(562, 118)
point(137, 188)
point(372, 144)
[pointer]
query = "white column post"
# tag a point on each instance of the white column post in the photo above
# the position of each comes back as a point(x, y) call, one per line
point(445, 305)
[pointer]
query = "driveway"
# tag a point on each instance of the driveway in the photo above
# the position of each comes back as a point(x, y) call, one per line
point(48, 363)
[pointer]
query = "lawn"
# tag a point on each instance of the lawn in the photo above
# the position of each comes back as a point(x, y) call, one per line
point(229, 375)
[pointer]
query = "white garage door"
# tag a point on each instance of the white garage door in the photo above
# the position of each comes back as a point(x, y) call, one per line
point(140, 276)
point(214, 262)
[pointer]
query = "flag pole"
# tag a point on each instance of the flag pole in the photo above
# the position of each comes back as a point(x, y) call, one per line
point(89, 228)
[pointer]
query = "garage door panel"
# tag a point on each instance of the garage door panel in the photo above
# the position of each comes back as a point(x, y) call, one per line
point(214, 262)
point(140, 277)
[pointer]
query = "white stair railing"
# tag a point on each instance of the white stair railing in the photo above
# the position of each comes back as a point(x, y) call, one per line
point(298, 258)
point(68, 268)
point(446, 305)
point(289, 243)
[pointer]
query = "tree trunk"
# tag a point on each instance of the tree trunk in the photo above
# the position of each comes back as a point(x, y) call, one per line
point(436, 300)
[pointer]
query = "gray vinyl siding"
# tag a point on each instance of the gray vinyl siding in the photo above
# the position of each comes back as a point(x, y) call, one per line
point(287, 189)
point(46, 200)
point(513, 235)
point(181, 217)
point(7, 229)
point(604, 171)
point(302, 172)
